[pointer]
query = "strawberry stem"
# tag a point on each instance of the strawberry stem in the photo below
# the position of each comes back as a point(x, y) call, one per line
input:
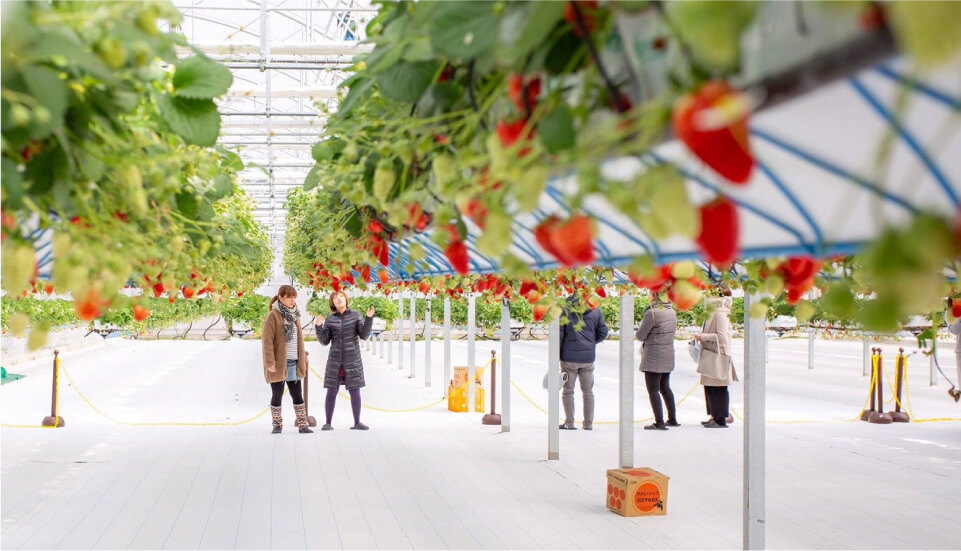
point(586, 35)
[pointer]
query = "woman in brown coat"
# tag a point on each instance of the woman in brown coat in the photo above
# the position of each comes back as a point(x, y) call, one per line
point(285, 359)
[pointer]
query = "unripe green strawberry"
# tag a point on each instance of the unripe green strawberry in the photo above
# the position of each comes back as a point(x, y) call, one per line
point(113, 52)
point(37, 338)
point(384, 179)
point(19, 262)
point(18, 324)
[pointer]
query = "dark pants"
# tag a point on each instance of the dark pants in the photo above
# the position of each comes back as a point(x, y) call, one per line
point(659, 384)
point(332, 400)
point(718, 403)
point(277, 392)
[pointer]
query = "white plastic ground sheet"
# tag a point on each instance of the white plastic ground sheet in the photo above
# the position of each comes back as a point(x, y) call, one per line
point(434, 479)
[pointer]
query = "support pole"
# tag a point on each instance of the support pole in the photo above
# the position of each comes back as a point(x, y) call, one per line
point(505, 366)
point(400, 334)
point(553, 390)
point(413, 336)
point(470, 351)
point(311, 420)
point(382, 339)
point(626, 383)
point(811, 348)
point(446, 344)
point(755, 362)
point(54, 420)
point(493, 418)
point(390, 346)
point(933, 366)
point(866, 353)
point(428, 331)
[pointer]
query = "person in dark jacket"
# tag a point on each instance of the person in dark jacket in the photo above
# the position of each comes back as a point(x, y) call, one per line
point(341, 330)
point(656, 334)
point(579, 337)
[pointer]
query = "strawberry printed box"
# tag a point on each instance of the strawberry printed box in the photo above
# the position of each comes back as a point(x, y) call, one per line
point(637, 492)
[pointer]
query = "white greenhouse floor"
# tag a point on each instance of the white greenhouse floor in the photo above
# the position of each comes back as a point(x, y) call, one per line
point(435, 479)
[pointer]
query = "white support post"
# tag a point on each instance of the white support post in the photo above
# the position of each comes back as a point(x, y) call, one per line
point(470, 351)
point(446, 344)
point(755, 362)
point(811, 348)
point(390, 345)
point(383, 339)
point(626, 382)
point(400, 334)
point(866, 357)
point(505, 366)
point(428, 330)
point(554, 390)
point(932, 366)
point(413, 336)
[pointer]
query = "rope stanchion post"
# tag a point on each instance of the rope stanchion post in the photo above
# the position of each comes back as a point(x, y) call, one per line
point(54, 420)
point(428, 339)
point(900, 364)
point(879, 417)
point(933, 364)
point(811, 348)
point(866, 414)
point(493, 418)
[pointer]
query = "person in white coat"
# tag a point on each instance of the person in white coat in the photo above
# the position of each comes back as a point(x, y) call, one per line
point(715, 363)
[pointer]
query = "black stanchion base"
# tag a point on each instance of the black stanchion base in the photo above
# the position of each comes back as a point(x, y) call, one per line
point(491, 419)
point(53, 421)
point(311, 421)
point(880, 418)
point(900, 417)
point(866, 414)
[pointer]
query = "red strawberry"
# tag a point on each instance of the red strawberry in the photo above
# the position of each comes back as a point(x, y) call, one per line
point(797, 270)
point(718, 239)
point(374, 226)
point(601, 292)
point(526, 288)
point(476, 211)
point(88, 307)
point(240, 294)
point(724, 149)
point(540, 310)
point(140, 313)
point(515, 91)
point(872, 17)
point(441, 139)
point(656, 282)
point(424, 287)
point(383, 276)
point(172, 299)
point(48, 288)
point(446, 74)
point(509, 133)
point(187, 291)
point(378, 247)
point(573, 240)
point(956, 309)
point(534, 296)
point(543, 232)
point(587, 9)
point(456, 254)
point(365, 273)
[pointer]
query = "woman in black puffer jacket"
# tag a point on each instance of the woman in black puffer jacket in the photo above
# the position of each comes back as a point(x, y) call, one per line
point(341, 330)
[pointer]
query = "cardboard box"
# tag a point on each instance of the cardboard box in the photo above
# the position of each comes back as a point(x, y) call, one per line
point(636, 492)
point(460, 376)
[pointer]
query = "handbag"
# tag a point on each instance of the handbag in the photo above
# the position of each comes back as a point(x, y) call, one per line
point(713, 364)
point(694, 349)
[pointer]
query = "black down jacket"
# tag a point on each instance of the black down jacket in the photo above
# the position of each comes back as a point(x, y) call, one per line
point(341, 332)
point(577, 346)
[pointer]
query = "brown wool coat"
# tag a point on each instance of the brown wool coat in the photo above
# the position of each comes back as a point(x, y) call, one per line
point(275, 349)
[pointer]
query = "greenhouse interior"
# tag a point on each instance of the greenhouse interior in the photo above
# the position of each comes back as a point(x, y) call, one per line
point(692, 253)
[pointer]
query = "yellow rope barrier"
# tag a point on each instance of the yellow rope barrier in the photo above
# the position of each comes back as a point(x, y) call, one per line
point(157, 424)
point(386, 410)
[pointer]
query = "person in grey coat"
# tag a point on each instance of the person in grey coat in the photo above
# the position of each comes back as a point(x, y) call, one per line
point(579, 338)
point(341, 330)
point(656, 334)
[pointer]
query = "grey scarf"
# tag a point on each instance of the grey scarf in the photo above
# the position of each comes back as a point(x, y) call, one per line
point(291, 317)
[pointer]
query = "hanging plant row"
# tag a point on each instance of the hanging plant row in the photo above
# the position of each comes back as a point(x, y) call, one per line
point(109, 145)
point(463, 111)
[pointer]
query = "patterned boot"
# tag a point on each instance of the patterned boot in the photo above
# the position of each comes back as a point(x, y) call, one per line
point(277, 419)
point(301, 411)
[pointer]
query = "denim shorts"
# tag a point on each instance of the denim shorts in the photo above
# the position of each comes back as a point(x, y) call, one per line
point(292, 371)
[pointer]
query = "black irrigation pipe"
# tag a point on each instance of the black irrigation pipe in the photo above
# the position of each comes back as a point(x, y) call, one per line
point(211, 325)
point(184, 336)
point(586, 35)
point(470, 94)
